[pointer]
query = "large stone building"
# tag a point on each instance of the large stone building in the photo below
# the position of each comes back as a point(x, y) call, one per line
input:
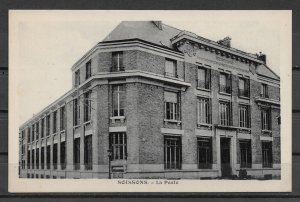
point(153, 101)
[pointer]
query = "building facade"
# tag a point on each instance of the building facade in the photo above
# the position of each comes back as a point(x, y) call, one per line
point(153, 101)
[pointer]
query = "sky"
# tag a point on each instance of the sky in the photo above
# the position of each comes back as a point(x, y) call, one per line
point(50, 42)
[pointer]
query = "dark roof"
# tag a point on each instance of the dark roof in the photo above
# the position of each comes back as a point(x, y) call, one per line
point(144, 30)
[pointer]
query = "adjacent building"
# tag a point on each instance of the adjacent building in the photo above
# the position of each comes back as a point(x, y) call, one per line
point(153, 101)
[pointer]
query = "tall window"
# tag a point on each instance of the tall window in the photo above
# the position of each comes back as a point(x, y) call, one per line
point(54, 124)
point(225, 83)
point(244, 112)
point(32, 158)
point(28, 158)
point(171, 106)
point(42, 127)
point(172, 153)
point(244, 86)
point(77, 153)
point(204, 111)
point(42, 157)
point(88, 71)
point(76, 112)
point(77, 77)
point(264, 90)
point(225, 113)
point(171, 68)
point(246, 155)
point(266, 118)
point(118, 92)
point(37, 126)
point(88, 152)
point(63, 155)
point(204, 153)
point(33, 132)
point(37, 158)
point(28, 134)
point(48, 156)
point(117, 61)
point(48, 125)
point(87, 106)
point(118, 145)
point(55, 156)
point(267, 156)
point(62, 118)
point(203, 78)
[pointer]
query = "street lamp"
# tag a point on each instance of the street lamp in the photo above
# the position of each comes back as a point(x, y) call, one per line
point(109, 160)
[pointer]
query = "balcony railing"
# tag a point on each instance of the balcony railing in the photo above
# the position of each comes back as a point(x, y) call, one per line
point(203, 84)
point(117, 69)
point(225, 89)
point(243, 93)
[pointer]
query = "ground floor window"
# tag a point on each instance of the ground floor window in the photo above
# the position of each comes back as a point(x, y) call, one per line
point(32, 158)
point(172, 152)
point(28, 159)
point(267, 157)
point(63, 155)
point(55, 156)
point(246, 155)
point(42, 157)
point(118, 145)
point(204, 153)
point(88, 152)
point(48, 157)
point(77, 153)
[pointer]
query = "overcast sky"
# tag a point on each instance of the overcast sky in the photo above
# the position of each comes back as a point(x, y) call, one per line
point(50, 42)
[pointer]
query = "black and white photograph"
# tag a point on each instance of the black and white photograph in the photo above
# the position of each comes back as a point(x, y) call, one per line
point(155, 101)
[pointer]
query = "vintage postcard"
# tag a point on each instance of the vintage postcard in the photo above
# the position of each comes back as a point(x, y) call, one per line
point(149, 101)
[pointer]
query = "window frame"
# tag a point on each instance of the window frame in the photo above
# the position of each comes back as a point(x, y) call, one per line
point(87, 106)
point(226, 119)
point(77, 77)
point(172, 159)
point(174, 66)
point(121, 96)
point(88, 69)
point(62, 118)
point(208, 110)
point(88, 152)
point(207, 146)
point(172, 110)
point(227, 88)
point(117, 61)
point(246, 91)
point(264, 90)
point(267, 154)
point(54, 122)
point(206, 84)
point(266, 119)
point(245, 159)
point(246, 121)
point(118, 145)
point(63, 155)
point(76, 153)
point(76, 112)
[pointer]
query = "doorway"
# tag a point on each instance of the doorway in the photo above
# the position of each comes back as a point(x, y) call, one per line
point(225, 158)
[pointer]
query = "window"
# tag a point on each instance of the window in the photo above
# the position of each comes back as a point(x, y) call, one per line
point(264, 91)
point(204, 153)
point(55, 156)
point(171, 106)
point(118, 100)
point(204, 111)
point(32, 158)
point(117, 62)
point(88, 71)
point(62, 118)
point(42, 157)
point(37, 126)
point(28, 134)
point(42, 127)
point(203, 78)
point(225, 113)
point(48, 125)
point(267, 154)
point(118, 145)
point(246, 155)
point(266, 118)
point(225, 83)
point(172, 154)
point(33, 132)
point(87, 106)
point(37, 158)
point(244, 87)
point(22, 134)
point(170, 68)
point(244, 116)
point(77, 77)
point(63, 155)
point(28, 158)
point(76, 112)
point(88, 152)
point(77, 153)
point(54, 124)
point(48, 156)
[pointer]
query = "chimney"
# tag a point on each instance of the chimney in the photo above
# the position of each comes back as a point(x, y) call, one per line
point(225, 42)
point(158, 24)
point(262, 57)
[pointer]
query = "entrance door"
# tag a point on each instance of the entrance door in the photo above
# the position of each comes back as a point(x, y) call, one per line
point(225, 157)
